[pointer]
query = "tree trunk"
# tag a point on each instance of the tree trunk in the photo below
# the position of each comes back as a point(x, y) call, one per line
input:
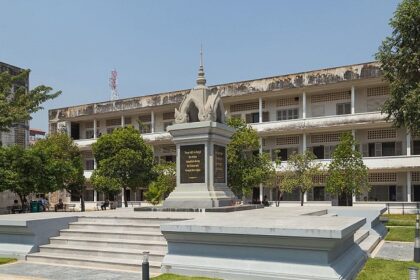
point(82, 203)
point(125, 198)
point(21, 196)
point(302, 195)
point(278, 199)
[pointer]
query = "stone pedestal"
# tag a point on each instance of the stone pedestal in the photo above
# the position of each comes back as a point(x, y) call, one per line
point(201, 165)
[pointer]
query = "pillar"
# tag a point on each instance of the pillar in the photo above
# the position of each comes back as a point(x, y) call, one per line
point(122, 121)
point(352, 99)
point(409, 186)
point(95, 196)
point(261, 151)
point(305, 197)
point(304, 105)
point(260, 114)
point(152, 120)
point(122, 198)
point(94, 128)
point(408, 139)
point(304, 142)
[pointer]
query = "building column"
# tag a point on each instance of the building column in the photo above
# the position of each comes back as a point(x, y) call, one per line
point(95, 196)
point(260, 110)
point(152, 122)
point(303, 143)
point(409, 199)
point(271, 194)
point(122, 121)
point(305, 197)
point(352, 99)
point(94, 128)
point(304, 105)
point(261, 151)
point(408, 139)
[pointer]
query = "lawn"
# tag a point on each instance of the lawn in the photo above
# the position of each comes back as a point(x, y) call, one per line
point(400, 220)
point(168, 276)
point(406, 234)
point(378, 269)
point(6, 260)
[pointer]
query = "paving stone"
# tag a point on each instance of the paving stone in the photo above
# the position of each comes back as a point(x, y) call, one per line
point(399, 251)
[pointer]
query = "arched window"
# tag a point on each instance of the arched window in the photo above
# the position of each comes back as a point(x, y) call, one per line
point(192, 113)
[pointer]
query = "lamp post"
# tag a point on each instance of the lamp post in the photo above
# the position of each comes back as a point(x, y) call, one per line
point(413, 273)
point(145, 266)
point(417, 240)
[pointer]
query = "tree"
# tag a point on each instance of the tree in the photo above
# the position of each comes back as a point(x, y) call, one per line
point(347, 174)
point(20, 171)
point(63, 167)
point(124, 159)
point(164, 184)
point(247, 167)
point(300, 172)
point(399, 55)
point(16, 102)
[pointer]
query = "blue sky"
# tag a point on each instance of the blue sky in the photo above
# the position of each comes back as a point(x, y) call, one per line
point(154, 45)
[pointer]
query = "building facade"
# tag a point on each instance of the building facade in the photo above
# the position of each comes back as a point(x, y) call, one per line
point(291, 113)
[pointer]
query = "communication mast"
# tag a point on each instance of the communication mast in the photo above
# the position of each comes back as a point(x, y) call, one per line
point(113, 85)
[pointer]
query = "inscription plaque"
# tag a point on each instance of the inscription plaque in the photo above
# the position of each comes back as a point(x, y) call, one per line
point(219, 161)
point(192, 164)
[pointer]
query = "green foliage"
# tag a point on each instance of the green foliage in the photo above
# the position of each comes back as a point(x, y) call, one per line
point(247, 168)
point(16, 103)
point(123, 159)
point(164, 184)
point(399, 55)
point(347, 174)
point(7, 260)
point(379, 269)
point(63, 163)
point(21, 171)
point(300, 172)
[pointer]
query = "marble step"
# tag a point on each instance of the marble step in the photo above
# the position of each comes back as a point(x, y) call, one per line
point(114, 234)
point(94, 262)
point(370, 243)
point(93, 251)
point(360, 235)
point(143, 245)
point(126, 220)
point(115, 227)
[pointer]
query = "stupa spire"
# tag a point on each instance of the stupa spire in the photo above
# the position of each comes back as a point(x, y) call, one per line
point(201, 80)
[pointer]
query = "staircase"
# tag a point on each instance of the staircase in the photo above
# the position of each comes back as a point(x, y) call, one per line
point(107, 242)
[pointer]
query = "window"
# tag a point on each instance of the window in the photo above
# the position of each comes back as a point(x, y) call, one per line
point(144, 128)
point(318, 151)
point(89, 164)
point(253, 118)
point(382, 149)
point(319, 193)
point(288, 114)
point(416, 147)
point(343, 108)
point(89, 134)
point(110, 130)
point(280, 154)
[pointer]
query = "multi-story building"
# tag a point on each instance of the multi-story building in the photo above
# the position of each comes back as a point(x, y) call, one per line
point(18, 134)
point(291, 113)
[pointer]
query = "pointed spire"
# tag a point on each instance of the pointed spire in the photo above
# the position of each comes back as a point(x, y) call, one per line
point(201, 80)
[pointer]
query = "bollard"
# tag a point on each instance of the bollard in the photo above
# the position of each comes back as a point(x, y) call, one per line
point(413, 273)
point(145, 266)
point(417, 241)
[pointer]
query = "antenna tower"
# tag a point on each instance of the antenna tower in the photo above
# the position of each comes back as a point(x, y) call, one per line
point(113, 85)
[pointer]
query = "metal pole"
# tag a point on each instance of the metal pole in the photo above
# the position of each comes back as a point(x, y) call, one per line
point(413, 273)
point(417, 240)
point(145, 266)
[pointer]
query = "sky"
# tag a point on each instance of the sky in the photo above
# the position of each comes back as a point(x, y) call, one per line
point(72, 46)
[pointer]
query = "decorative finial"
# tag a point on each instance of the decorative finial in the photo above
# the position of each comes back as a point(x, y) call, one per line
point(201, 80)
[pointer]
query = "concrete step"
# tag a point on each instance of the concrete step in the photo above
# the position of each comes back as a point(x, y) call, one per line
point(94, 262)
point(370, 243)
point(126, 235)
point(160, 246)
point(126, 220)
point(115, 227)
point(360, 235)
point(91, 251)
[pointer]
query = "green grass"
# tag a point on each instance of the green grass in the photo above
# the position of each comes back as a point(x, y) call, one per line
point(6, 260)
point(168, 276)
point(400, 220)
point(405, 234)
point(378, 269)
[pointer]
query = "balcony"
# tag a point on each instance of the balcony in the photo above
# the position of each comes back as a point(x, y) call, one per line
point(359, 120)
point(395, 163)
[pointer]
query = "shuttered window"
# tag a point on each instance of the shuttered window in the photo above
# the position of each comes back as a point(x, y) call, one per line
point(288, 114)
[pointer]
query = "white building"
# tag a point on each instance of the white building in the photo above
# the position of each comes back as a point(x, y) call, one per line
point(294, 112)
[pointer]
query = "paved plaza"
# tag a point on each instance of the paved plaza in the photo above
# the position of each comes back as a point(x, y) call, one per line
point(398, 251)
point(30, 271)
